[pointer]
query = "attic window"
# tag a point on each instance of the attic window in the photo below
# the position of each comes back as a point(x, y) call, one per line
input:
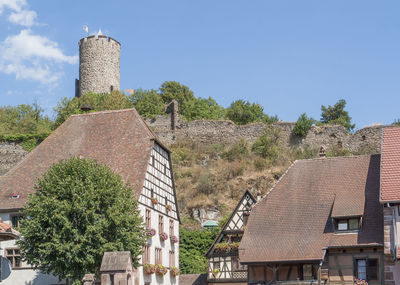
point(348, 224)
point(15, 196)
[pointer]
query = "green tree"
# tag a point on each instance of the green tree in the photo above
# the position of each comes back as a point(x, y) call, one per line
point(242, 112)
point(337, 115)
point(80, 209)
point(303, 125)
point(24, 119)
point(193, 245)
point(267, 145)
point(206, 109)
point(147, 102)
point(97, 102)
point(173, 90)
point(396, 122)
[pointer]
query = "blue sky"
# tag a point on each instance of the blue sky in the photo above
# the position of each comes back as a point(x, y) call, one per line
point(289, 56)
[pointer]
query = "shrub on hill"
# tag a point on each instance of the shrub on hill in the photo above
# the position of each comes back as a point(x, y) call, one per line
point(303, 125)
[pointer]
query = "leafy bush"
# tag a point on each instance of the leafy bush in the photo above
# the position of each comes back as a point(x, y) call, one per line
point(305, 153)
point(205, 183)
point(237, 150)
point(303, 125)
point(260, 163)
point(182, 156)
point(334, 151)
point(242, 112)
point(193, 245)
point(236, 168)
point(337, 115)
point(267, 145)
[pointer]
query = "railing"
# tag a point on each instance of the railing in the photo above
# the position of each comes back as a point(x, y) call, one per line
point(224, 276)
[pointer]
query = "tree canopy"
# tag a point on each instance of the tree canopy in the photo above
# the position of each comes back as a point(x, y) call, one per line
point(80, 209)
point(98, 102)
point(303, 125)
point(337, 115)
point(242, 112)
point(23, 119)
point(147, 102)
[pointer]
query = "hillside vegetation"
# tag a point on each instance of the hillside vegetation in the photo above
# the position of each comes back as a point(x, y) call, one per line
point(207, 176)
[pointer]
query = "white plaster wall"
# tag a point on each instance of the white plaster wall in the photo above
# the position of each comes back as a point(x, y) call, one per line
point(166, 246)
point(25, 275)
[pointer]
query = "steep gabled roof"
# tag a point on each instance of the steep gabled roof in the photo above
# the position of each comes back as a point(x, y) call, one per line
point(294, 222)
point(390, 165)
point(119, 139)
point(226, 227)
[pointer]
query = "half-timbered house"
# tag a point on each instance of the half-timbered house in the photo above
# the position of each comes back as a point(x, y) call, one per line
point(321, 223)
point(223, 257)
point(121, 140)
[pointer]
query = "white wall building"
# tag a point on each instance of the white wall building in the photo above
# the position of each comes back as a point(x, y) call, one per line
point(121, 140)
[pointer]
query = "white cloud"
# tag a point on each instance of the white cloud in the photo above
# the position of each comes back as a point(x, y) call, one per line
point(15, 5)
point(25, 18)
point(33, 57)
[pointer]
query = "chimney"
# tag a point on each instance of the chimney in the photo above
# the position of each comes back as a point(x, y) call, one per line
point(322, 152)
point(259, 195)
point(86, 108)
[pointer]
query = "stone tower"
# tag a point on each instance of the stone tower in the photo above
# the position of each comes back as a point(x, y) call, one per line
point(99, 65)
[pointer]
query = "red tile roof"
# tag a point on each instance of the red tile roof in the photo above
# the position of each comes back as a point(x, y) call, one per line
point(390, 165)
point(119, 139)
point(294, 221)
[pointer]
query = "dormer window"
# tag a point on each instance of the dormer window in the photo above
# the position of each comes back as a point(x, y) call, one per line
point(351, 224)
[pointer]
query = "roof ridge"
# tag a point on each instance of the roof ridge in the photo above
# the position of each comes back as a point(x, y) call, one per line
point(336, 157)
point(103, 112)
point(276, 183)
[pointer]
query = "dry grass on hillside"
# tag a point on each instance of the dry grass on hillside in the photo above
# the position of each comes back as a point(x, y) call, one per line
point(215, 176)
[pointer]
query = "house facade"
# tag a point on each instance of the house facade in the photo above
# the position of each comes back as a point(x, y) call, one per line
point(390, 199)
point(223, 256)
point(322, 223)
point(121, 140)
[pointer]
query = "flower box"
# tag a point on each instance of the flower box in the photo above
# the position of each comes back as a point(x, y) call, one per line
point(161, 270)
point(154, 201)
point(163, 236)
point(149, 268)
point(174, 271)
point(174, 239)
point(234, 245)
point(222, 247)
point(168, 207)
point(150, 232)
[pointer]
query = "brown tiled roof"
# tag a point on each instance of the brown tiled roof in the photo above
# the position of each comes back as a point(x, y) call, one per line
point(193, 279)
point(119, 139)
point(390, 165)
point(293, 222)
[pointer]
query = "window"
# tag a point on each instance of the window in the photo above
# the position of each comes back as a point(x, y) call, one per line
point(160, 224)
point(171, 227)
point(348, 224)
point(14, 256)
point(158, 257)
point(308, 272)
point(171, 258)
point(367, 269)
point(236, 264)
point(146, 254)
point(216, 265)
point(15, 220)
point(148, 218)
point(152, 160)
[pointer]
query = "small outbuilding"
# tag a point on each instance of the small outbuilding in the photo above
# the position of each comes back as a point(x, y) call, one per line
point(116, 268)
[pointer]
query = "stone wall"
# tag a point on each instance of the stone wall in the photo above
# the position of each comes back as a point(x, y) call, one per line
point(366, 140)
point(170, 127)
point(10, 154)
